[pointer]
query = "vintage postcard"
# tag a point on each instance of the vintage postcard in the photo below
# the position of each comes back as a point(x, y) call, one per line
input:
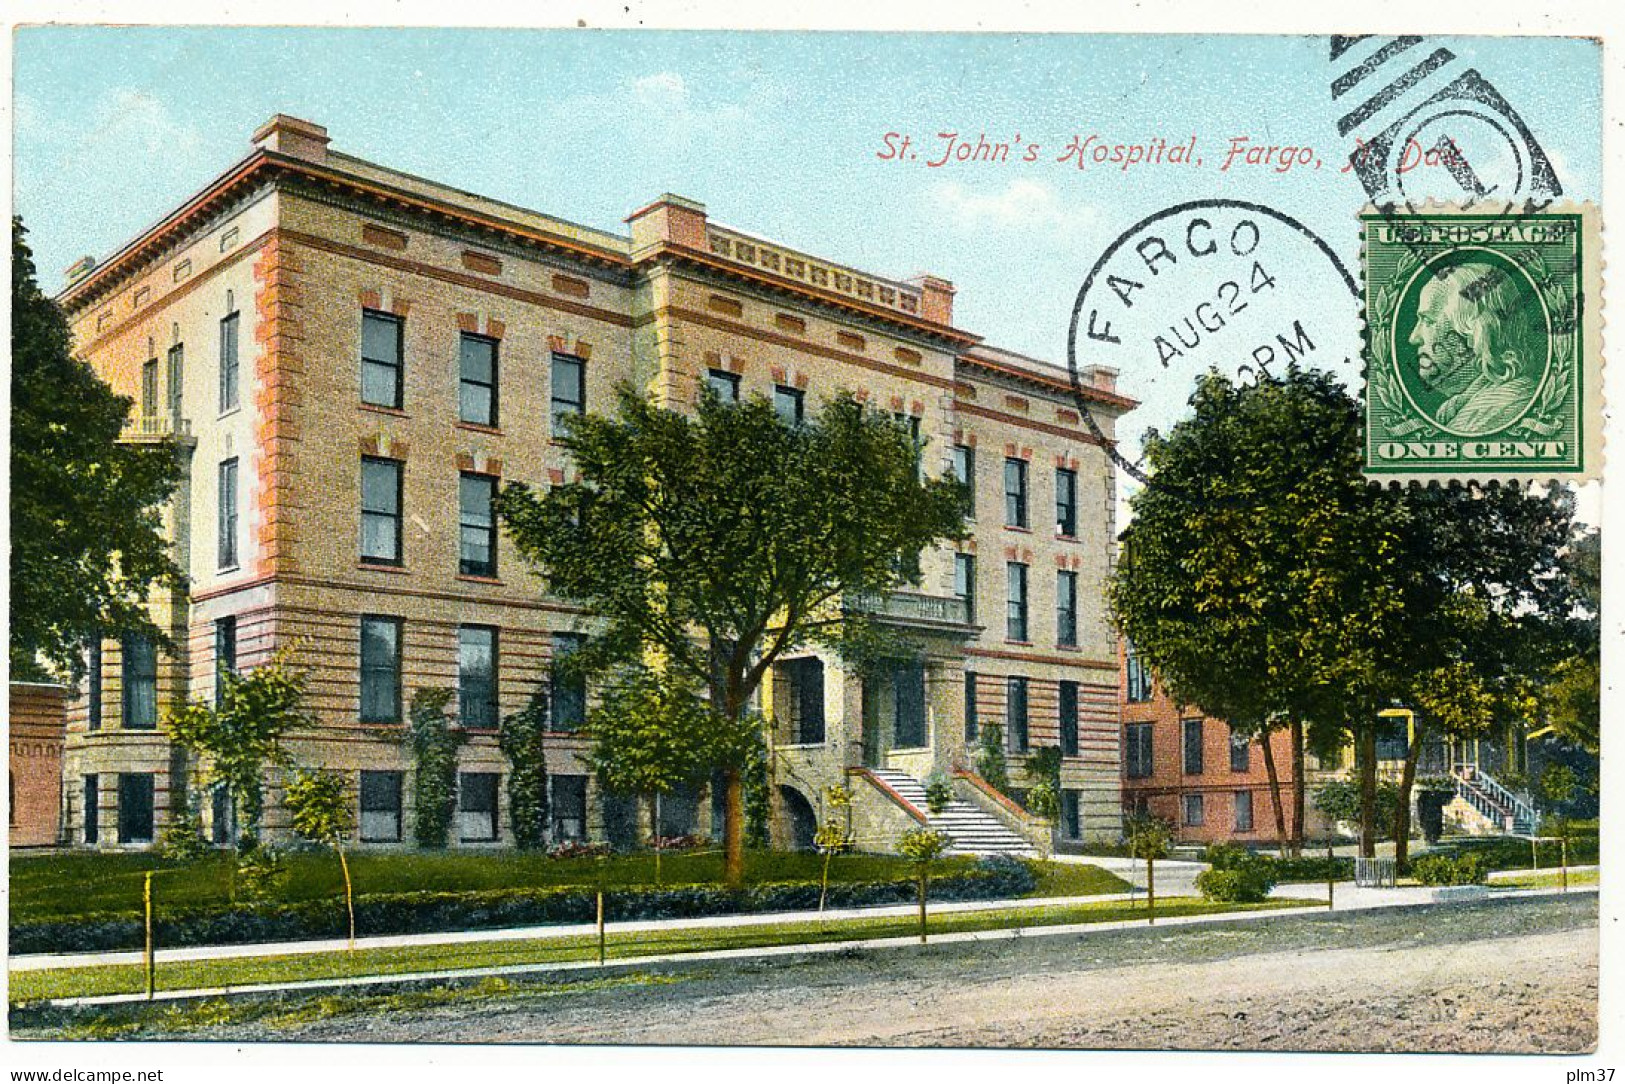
point(754, 538)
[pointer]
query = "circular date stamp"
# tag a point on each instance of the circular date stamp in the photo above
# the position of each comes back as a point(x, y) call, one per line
point(1221, 284)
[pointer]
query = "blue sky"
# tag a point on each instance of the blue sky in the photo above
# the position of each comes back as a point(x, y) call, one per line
point(777, 133)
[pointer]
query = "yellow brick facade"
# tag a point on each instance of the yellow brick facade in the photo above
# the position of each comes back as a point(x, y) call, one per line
point(299, 240)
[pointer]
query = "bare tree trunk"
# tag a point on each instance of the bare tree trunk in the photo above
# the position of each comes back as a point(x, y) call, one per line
point(1275, 793)
point(1368, 791)
point(1299, 786)
point(1402, 808)
point(349, 892)
point(733, 829)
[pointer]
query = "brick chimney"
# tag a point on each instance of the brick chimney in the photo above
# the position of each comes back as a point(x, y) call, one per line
point(936, 298)
point(1103, 377)
point(293, 137)
point(672, 220)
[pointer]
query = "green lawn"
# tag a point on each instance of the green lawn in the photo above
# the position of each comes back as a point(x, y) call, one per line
point(1546, 879)
point(69, 886)
point(84, 981)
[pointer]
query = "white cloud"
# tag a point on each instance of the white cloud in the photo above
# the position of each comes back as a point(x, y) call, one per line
point(660, 88)
point(1022, 203)
point(130, 119)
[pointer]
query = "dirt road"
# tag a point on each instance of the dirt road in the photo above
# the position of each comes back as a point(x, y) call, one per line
point(1512, 977)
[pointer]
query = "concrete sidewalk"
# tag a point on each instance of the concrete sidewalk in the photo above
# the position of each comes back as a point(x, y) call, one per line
point(47, 961)
point(617, 966)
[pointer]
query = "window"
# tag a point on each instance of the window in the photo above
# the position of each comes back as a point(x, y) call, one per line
point(569, 690)
point(791, 403)
point(380, 669)
point(228, 363)
point(569, 390)
point(222, 817)
point(965, 472)
point(1066, 503)
point(1193, 810)
point(1138, 676)
point(1072, 813)
point(477, 807)
point(226, 542)
point(1192, 729)
point(135, 807)
point(1015, 493)
point(1015, 618)
point(908, 685)
point(1069, 718)
point(1015, 714)
point(724, 383)
point(971, 727)
point(965, 582)
point(93, 684)
point(380, 807)
point(382, 337)
point(93, 808)
point(225, 654)
point(477, 676)
point(1244, 811)
point(177, 372)
point(381, 510)
point(477, 380)
point(1137, 750)
point(477, 545)
point(1240, 751)
point(140, 682)
point(569, 807)
point(806, 681)
point(149, 388)
point(1066, 609)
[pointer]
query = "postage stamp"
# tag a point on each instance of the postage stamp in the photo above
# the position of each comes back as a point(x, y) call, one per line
point(1483, 339)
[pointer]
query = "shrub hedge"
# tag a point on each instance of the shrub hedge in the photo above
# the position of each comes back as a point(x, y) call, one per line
point(417, 912)
point(1308, 868)
point(1249, 884)
point(1443, 869)
point(1502, 852)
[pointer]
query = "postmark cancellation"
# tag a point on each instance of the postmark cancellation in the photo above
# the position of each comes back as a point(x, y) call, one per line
point(1483, 340)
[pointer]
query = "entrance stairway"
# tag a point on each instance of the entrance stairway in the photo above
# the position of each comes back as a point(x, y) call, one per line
point(1505, 810)
point(971, 830)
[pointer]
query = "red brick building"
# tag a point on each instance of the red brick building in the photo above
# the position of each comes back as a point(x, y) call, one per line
point(1189, 770)
point(38, 719)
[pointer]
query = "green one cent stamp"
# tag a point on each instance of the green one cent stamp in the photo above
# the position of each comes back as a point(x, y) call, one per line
point(1483, 344)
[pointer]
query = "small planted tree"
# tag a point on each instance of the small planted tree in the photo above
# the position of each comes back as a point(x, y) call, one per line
point(433, 741)
point(923, 847)
point(1149, 838)
point(939, 793)
point(319, 806)
point(1558, 784)
point(833, 837)
point(236, 741)
point(522, 737)
point(1043, 770)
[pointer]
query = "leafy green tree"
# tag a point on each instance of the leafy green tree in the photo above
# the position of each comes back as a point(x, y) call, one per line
point(721, 539)
point(652, 735)
point(522, 737)
point(1266, 580)
point(319, 804)
point(237, 741)
point(1573, 692)
point(433, 742)
point(87, 532)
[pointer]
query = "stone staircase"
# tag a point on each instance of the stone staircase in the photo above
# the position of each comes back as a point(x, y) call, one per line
point(1499, 808)
point(971, 830)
